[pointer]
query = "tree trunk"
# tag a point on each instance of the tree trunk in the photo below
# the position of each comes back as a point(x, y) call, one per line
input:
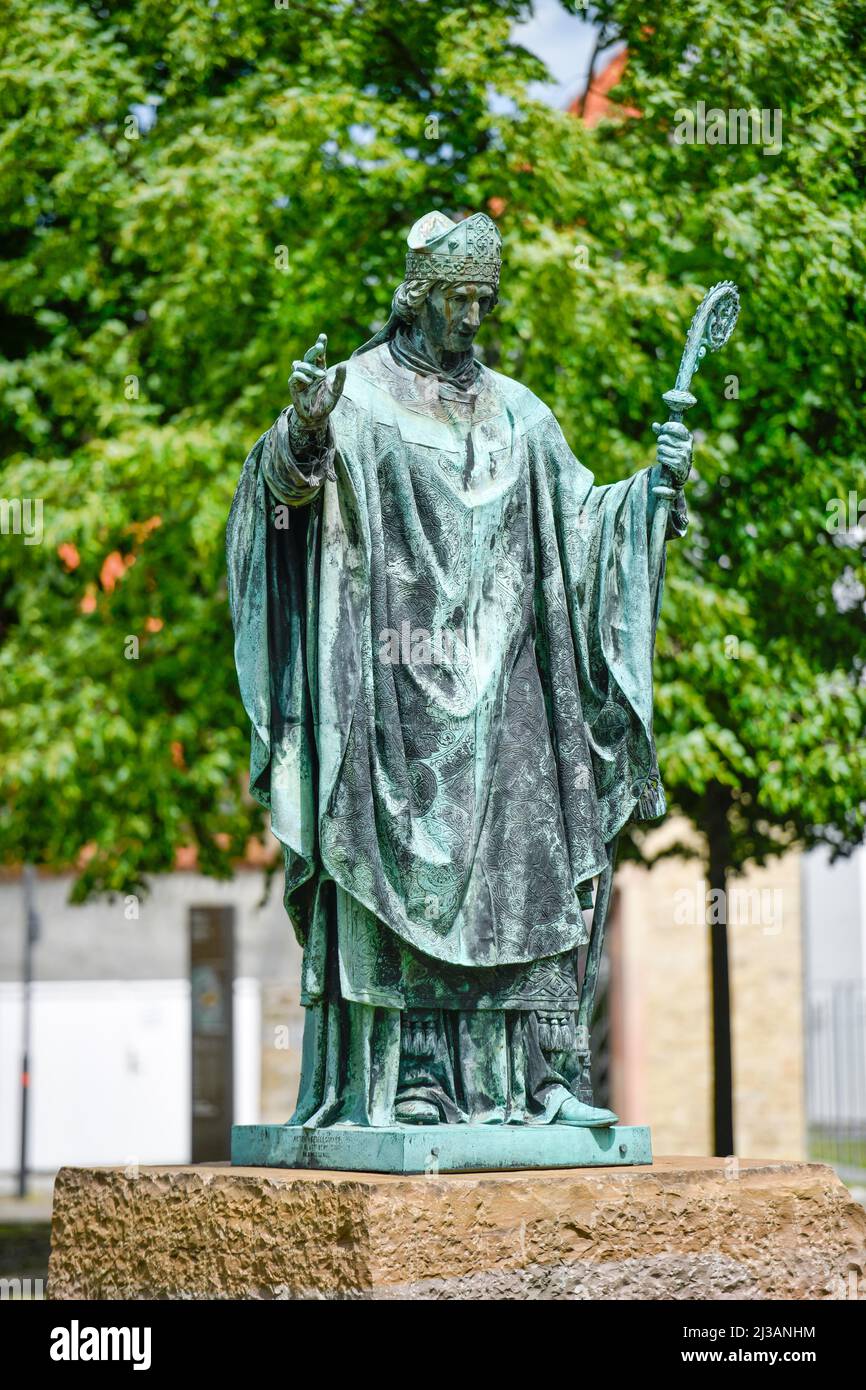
point(718, 837)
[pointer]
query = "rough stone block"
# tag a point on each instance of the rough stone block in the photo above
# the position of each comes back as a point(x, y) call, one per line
point(679, 1228)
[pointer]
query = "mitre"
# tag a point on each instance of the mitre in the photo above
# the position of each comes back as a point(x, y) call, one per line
point(440, 249)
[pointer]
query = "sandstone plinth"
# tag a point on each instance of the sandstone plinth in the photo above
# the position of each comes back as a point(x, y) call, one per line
point(679, 1228)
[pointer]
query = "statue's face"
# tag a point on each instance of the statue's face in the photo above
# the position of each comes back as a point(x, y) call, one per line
point(452, 314)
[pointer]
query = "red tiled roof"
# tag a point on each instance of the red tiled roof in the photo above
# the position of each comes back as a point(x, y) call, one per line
point(594, 105)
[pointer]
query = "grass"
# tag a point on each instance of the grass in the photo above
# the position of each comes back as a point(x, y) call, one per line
point(829, 1146)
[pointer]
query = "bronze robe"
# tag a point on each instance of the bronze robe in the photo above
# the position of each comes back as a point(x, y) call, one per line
point(445, 651)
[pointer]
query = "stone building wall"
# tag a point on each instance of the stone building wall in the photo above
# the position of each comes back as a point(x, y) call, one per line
point(662, 1023)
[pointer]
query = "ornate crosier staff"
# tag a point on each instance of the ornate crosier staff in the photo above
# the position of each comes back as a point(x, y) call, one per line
point(710, 329)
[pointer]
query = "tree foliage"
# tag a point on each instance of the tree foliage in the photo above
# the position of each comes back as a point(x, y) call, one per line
point(191, 193)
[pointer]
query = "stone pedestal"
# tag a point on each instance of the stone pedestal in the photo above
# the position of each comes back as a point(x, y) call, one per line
point(678, 1228)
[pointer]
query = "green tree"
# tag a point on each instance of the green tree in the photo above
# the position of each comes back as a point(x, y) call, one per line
point(761, 674)
point(190, 194)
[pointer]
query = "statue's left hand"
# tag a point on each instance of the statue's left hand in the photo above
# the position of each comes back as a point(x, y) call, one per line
point(674, 451)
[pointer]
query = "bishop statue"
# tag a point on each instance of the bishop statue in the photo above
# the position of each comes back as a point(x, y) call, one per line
point(444, 635)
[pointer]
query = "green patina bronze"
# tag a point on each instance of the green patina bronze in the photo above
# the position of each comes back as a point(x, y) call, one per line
point(444, 634)
point(440, 1148)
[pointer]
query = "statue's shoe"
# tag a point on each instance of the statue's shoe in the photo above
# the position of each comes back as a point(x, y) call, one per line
point(416, 1112)
point(574, 1112)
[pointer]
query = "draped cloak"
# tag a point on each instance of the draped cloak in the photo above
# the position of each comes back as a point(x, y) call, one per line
point(444, 635)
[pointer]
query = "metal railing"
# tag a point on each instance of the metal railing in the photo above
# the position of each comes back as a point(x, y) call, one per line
point(836, 1076)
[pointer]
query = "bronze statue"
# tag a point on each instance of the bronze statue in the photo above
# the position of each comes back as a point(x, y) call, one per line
point(444, 639)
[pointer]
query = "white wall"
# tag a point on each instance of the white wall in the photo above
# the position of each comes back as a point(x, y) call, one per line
point(111, 1016)
point(110, 1069)
point(834, 909)
point(834, 899)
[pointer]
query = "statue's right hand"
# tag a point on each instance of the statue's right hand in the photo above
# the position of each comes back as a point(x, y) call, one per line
point(313, 394)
